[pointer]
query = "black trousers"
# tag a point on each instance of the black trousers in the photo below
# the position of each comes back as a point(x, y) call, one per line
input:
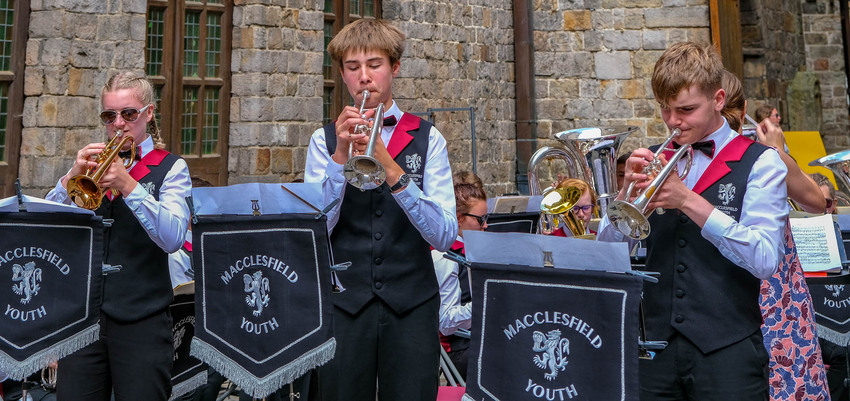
point(133, 359)
point(836, 357)
point(682, 372)
point(398, 354)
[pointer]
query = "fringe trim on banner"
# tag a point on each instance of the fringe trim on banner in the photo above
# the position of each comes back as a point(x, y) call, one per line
point(261, 387)
point(835, 337)
point(20, 370)
point(188, 385)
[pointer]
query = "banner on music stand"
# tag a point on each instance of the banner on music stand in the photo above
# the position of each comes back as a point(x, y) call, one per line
point(556, 334)
point(832, 310)
point(262, 286)
point(51, 275)
point(187, 372)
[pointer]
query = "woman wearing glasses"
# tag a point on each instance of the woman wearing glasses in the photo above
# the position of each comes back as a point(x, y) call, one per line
point(134, 353)
point(584, 207)
point(455, 306)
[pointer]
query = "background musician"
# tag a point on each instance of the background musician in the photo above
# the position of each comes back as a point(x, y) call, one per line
point(134, 354)
point(789, 330)
point(583, 208)
point(386, 320)
point(721, 234)
point(455, 296)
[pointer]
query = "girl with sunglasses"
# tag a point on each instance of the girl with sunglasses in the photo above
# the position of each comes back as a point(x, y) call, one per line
point(134, 353)
point(455, 306)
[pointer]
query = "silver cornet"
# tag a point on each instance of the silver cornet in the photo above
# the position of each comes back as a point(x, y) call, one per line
point(630, 218)
point(365, 171)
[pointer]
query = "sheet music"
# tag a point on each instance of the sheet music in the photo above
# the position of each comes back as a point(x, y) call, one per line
point(817, 246)
point(39, 205)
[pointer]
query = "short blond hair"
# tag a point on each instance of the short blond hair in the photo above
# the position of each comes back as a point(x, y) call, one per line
point(685, 64)
point(144, 93)
point(367, 34)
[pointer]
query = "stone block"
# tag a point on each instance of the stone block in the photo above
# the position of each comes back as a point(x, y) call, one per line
point(113, 27)
point(56, 80)
point(654, 39)
point(622, 40)
point(85, 26)
point(33, 81)
point(249, 84)
point(690, 16)
point(77, 6)
point(311, 20)
point(577, 20)
point(87, 54)
point(281, 160)
point(42, 141)
point(47, 24)
point(255, 109)
point(67, 111)
point(613, 65)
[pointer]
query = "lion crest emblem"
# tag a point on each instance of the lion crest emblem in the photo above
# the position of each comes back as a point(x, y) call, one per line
point(257, 288)
point(27, 276)
point(727, 193)
point(414, 162)
point(555, 350)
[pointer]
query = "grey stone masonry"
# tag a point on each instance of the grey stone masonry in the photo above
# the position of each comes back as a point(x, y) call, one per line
point(73, 46)
point(276, 88)
point(460, 54)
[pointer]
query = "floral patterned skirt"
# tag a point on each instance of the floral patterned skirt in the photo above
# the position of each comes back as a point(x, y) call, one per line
point(796, 366)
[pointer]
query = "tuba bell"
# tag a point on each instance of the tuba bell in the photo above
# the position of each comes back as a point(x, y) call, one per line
point(84, 189)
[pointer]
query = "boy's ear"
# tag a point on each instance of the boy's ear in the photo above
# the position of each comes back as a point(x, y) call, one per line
point(396, 68)
point(719, 99)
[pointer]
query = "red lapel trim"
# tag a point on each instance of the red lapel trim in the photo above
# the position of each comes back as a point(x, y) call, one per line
point(717, 169)
point(188, 246)
point(401, 137)
point(153, 158)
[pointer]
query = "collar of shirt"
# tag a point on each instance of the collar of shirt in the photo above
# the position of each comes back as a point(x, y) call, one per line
point(721, 138)
point(147, 147)
point(387, 132)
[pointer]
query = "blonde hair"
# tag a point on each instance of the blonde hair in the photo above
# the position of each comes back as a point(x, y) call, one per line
point(143, 92)
point(367, 34)
point(685, 64)
point(735, 101)
point(763, 112)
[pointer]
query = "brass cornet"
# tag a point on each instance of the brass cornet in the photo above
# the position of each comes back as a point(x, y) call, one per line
point(84, 189)
point(630, 218)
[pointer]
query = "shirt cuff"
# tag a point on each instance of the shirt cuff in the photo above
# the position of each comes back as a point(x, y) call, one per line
point(134, 199)
point(716, 224)
point(334, 172)
point(409, 195)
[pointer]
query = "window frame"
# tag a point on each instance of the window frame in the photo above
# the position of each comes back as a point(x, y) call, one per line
point(9, 167)
point(211, 167)
point(339, 17)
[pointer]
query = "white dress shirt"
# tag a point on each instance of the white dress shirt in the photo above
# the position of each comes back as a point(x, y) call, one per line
point(166, 220)
point(180, 265)
point(453, 315)
point(755, 241)
point(430, 209)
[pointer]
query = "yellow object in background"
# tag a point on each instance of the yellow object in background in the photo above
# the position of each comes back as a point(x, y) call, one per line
point(806, 146)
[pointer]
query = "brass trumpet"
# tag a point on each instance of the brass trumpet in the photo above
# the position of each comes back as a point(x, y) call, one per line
point(84, 189)
point(630, 218)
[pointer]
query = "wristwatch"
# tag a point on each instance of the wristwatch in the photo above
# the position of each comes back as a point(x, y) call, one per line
point(403, 180)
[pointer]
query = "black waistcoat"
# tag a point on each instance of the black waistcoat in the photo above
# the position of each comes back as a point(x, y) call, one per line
point(389, 258)
point(143, 286)
point(700, 293)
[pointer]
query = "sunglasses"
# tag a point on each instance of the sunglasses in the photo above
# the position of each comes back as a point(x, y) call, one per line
point(129, 115)
point(585, 208)
point(481, 219)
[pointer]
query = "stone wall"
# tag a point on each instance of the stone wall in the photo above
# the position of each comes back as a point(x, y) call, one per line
point(460, 54)
point(73, 45)
point(276, 94)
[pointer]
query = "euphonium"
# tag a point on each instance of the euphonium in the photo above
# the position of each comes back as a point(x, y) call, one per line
point(84, 189)
point(364, 171)
point(630, 218)
point(559, 203)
